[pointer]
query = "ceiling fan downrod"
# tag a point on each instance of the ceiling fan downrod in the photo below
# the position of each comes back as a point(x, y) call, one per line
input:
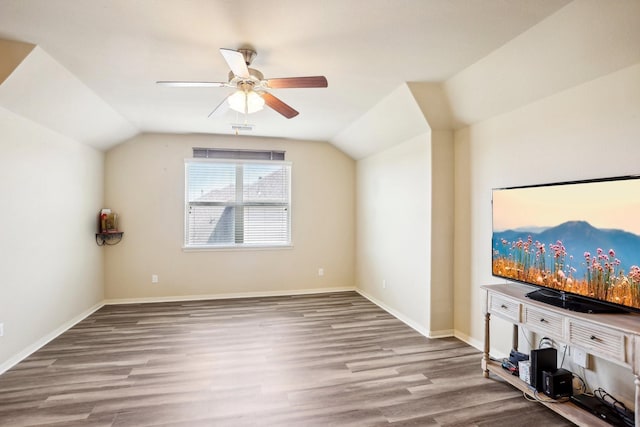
point(248, 55)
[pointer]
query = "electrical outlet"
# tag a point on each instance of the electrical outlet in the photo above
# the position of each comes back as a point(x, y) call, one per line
point(580, 357)
point(1, 329)
point(154, 278)
point(384, 284)
point(321, 271)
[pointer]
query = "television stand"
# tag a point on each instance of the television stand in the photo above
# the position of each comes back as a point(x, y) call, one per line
point(612, 337)
point(571, 302)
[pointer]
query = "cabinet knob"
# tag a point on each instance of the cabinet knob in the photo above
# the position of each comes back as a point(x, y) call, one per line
point(504, 307)
point(594, 338)
point(543, 320)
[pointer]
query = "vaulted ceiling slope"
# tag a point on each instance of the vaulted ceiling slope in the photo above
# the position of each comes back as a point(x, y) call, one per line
point(92, 75)
point(11, 55)
point(43, 91)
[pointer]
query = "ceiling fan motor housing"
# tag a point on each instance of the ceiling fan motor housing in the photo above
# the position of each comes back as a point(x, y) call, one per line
point(255, 78)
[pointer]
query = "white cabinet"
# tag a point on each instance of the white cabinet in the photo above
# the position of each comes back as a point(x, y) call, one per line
point(604, 342)
point(614, 337)
point(504, 307)
point(543, 321)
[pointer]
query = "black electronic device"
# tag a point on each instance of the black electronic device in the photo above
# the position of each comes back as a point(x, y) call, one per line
point(515, 357)
point(543, 359)
point(602, 410)
point(557, 384)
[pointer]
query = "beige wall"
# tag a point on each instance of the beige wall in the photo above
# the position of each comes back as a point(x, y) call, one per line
point(442, 231)
point(144, 183)
point(51, 269)
point(404, 236)
point(589, 131)
point(393, 229)
point(404, 208)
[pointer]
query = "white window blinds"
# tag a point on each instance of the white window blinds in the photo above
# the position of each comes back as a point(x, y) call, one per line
point(222, 153)
point(235, 203)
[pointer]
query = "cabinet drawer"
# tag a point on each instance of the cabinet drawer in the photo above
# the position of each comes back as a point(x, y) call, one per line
point(543, 321)
point(504, 307)
point(599, 341)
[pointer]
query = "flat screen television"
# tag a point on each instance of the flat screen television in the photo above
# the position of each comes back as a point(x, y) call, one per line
point(577, 242)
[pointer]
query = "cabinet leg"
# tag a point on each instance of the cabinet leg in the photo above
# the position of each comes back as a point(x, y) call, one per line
point(487, 344)
point(514, 339)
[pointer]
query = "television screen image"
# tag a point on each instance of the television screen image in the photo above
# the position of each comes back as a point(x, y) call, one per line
point(576, 238)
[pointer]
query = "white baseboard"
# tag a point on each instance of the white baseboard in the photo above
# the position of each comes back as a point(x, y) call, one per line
point(445, 333)
point(495, 353)
point(395, 314)
point(259, 294)
point(471, 341)
point(14, 360)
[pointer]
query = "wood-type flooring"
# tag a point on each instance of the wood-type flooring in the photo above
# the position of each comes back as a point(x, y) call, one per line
point(307, 360)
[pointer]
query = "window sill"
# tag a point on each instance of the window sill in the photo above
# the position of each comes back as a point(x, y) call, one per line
point(236, 248)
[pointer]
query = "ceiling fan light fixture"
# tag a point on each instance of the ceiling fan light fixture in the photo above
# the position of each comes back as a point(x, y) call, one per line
point(246, 102)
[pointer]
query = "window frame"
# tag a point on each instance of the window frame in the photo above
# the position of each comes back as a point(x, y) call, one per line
point(238, 206)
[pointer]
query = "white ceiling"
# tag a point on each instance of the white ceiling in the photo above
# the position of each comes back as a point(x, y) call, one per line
point(117, 49)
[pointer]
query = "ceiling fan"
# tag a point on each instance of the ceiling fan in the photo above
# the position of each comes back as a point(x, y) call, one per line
point(252, 88)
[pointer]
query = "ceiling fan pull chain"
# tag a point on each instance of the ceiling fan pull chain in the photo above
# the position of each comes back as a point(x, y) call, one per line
point(246, 102)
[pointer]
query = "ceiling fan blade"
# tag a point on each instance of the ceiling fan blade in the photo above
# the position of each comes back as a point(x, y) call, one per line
point(278, 105)
point(298, 82)
point(236, 63)
point(190, 84)
point(221, 108)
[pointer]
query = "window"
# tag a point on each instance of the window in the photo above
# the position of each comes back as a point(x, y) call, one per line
point(237, 203)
